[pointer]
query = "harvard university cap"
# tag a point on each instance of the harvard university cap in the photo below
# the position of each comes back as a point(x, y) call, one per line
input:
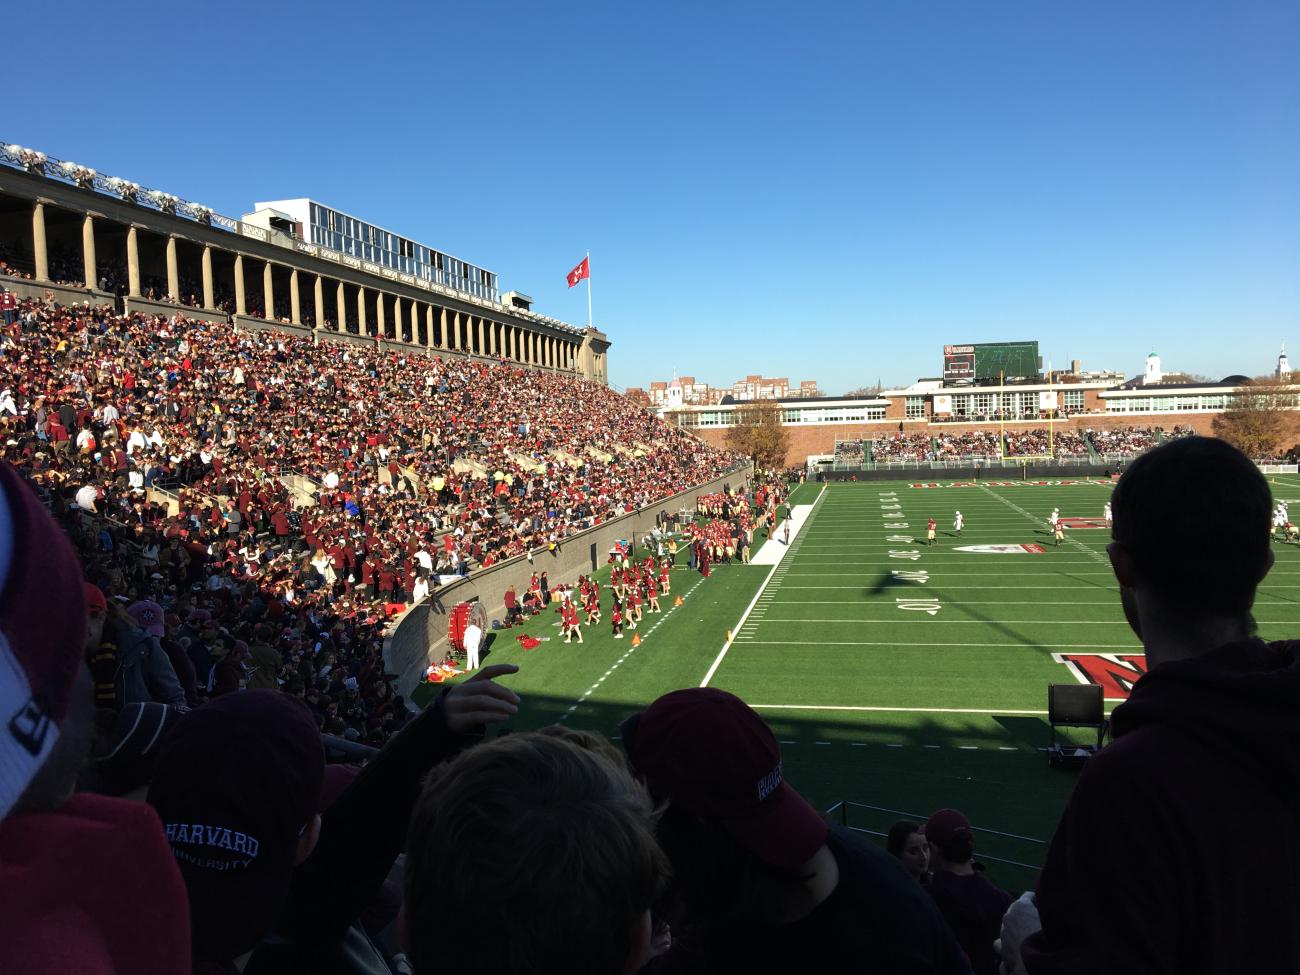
point(712, 755)
point(236, 783)
point(42, 634)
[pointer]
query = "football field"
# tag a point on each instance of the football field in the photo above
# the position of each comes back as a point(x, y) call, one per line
point(899, 676)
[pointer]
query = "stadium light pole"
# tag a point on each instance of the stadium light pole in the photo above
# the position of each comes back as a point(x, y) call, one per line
point(1052, 415)
point(1002, 414)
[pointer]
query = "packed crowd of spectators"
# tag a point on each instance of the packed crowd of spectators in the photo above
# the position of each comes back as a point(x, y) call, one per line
point(850, 453)
point(314, 488)
point(1133, 440)
point(1043, 442)
point(902, 446)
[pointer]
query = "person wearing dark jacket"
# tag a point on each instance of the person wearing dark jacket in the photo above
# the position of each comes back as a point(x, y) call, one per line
point(761, 883)
point(1143, 873)
point(129, 665)
point(274, 886)
point(968, 901)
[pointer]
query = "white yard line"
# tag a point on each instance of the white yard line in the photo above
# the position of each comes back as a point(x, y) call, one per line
point(930, 621)
point(1041, 521)
point(857, 707)
point(627, 653)
point(1115, 647)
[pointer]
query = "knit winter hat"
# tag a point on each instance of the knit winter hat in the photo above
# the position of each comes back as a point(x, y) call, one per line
point(42, 633)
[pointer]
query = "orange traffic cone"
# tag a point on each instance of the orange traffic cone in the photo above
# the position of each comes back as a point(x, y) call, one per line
point(636, 639)
point(678, 601)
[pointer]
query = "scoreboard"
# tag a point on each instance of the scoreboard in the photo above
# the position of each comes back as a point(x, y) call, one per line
point(989, 360)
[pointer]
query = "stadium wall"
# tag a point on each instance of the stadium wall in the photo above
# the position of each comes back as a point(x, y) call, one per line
point(420, 634)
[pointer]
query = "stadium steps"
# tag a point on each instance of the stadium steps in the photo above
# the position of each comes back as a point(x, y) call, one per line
point(1093, 456)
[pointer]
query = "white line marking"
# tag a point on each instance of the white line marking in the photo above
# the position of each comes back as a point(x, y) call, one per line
point(934, 622)
point(894, 644)
point(717, 661)
point(856, 707)
point(630, 650)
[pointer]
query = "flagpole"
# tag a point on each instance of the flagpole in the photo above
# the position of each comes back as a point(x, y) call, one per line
point(589, 289)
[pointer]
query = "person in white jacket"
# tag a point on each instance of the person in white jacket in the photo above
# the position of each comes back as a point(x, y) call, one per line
point(473, 637)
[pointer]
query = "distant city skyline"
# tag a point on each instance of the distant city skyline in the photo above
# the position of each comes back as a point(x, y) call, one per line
point(835, 194)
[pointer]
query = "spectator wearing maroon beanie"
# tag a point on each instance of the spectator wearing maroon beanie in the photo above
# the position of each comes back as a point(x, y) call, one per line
point(87, 884)
point(761, 881)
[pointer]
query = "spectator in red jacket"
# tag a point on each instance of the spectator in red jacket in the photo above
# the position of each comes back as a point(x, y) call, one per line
point(86, 882)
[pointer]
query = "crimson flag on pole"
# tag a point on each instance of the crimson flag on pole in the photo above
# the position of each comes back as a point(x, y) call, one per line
point(583, 270)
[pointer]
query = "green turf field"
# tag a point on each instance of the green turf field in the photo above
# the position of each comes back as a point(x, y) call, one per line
point(897, 675)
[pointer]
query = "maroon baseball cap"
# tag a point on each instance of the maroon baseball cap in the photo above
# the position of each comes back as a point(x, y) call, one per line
point(149, 616)
point(943, 827)
point(710, 754)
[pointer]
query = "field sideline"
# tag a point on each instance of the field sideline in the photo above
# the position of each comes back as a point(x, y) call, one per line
point(899, 675)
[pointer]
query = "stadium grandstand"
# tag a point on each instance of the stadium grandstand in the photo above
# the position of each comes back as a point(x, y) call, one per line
point(305, 507)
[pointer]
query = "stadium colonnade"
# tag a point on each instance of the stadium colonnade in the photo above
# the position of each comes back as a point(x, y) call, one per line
point(72, 234)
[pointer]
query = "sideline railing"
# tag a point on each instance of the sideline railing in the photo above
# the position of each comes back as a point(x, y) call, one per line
point(839, 812)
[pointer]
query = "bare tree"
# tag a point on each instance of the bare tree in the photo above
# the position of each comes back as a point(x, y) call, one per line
point(756, 432)
point(1260, 419)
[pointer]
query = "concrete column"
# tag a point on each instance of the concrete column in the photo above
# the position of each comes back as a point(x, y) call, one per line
point(295, 300)
point(341, 308)
point(38, 243)
point(88, 251)
point(428, 326)
point(414, 319)
point(241, 299)
point(380, 316)
point(268, 291)
point(534, 347)
point(362, 327)
point(132, 263)
point(509, 340)
point(482, 346)
point(173, 275)
point(455, 330)
point(318, 294)
point(209, 296)
point(492, 338)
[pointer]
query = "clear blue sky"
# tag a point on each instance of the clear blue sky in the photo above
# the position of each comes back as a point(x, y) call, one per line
point(819, 191)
